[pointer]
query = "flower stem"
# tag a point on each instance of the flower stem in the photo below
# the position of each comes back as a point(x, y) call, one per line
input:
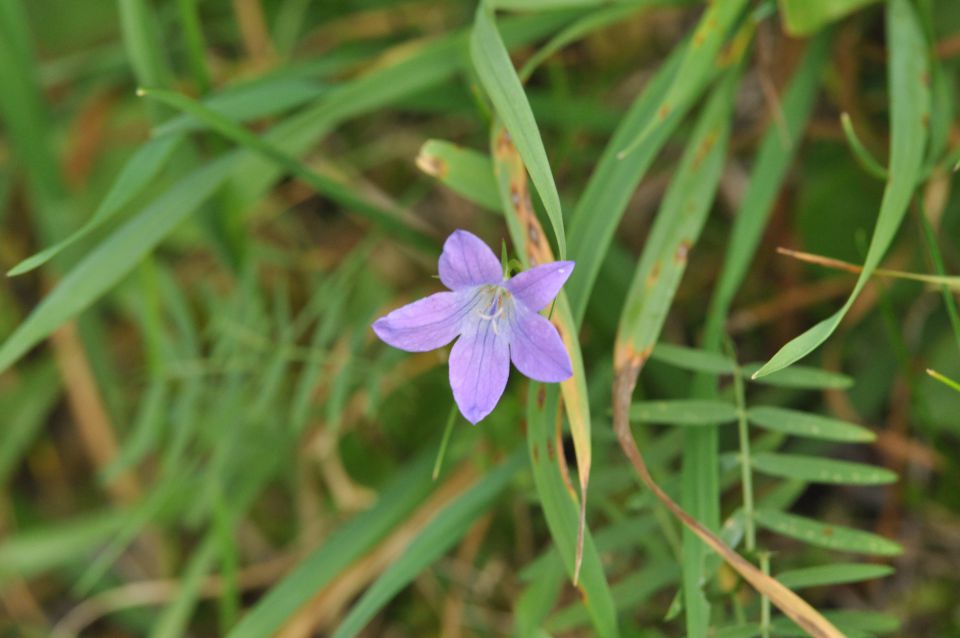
point(446, 439)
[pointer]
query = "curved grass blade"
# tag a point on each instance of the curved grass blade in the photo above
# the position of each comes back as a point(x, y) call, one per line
point(863, 155)
point(139, 171)
point(433, 541)
point(467, 172)
point(702, 54)
point(804, 424)
point(823, 535)
point(813, 469)
point(662, 265)
point(495, 70)
point(909, 110)
point(833, 574)
point(684, 412)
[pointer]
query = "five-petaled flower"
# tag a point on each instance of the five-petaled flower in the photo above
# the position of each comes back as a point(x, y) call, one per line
point(496, 319)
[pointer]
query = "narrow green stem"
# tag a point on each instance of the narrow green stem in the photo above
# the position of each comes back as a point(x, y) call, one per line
point(193, 34)
point(764, 601)
point(947, 381)
point(446, 439)
point(746, 472)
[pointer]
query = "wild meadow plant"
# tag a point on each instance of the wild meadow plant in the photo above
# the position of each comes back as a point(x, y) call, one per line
point(725, 231)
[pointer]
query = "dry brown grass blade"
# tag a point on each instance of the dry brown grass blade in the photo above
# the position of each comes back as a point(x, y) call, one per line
point(797, 609)
point(93, 423)
point(573, 390)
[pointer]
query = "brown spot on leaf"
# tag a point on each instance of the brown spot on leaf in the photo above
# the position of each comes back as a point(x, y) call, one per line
point(663, 112)
point(504, 144)
point(654, 275)
point(541, 397)
point(514, 196)
point(703, 150)
point(550, 452)
point(682, 251)
point(533, 233)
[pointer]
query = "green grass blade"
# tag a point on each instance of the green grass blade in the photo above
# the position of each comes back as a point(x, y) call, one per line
point(580, 28)
point(805, 17)
point(445, 529)
point(909, 107)
point(560, 510)
point(693, 359)
point(683, 412)
point(814, 469)
point(853, 623)
point(495, 70)
point(264, 97)
point(833, 574)
point(676, 228)
point(804, 424)
point(34, 551)
point(824, 535)
point(467, 172)
point(701, 56)
point(801, 378)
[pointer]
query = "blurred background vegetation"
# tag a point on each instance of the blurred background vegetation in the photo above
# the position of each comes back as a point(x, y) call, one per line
point(200, 435)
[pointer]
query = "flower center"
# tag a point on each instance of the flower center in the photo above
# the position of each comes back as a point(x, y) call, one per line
point(496, 302)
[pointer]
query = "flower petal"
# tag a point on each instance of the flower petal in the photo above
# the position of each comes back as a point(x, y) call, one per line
point(538, 286)
point(467, 261)
point(537, 349)
point(479, 367)
point(426, 324)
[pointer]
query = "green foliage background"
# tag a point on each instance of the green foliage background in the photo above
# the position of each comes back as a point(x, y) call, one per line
point(204, 205)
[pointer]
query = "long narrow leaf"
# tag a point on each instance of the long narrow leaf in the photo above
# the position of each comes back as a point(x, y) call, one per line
point(909, 110)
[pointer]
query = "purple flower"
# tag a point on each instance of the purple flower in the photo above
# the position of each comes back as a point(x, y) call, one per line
point(496, 319)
